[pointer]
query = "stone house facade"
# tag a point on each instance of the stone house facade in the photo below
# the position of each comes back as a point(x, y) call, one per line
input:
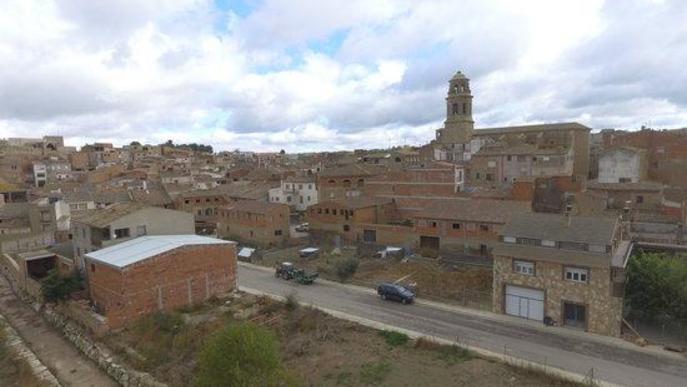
point(158, 273)
point(563, 270)
point(341, 216)
point(296, 192)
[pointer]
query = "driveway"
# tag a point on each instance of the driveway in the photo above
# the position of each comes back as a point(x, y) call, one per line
point(612, 360)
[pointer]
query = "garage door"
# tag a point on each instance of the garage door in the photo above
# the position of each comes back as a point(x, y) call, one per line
point(525, 302)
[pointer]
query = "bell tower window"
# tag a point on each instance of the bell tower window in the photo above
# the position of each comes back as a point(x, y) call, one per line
point(465, 108)
point(454, 109)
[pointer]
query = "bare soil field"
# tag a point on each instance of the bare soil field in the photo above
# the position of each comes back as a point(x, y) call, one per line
point(318, 349)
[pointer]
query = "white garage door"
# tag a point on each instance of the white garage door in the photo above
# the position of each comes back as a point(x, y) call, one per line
point(525, 302)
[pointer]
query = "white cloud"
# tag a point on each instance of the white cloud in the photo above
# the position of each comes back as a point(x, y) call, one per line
point(309, 75)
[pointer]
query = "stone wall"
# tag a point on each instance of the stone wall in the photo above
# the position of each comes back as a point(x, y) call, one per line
point(604, 312)
point(100, 355)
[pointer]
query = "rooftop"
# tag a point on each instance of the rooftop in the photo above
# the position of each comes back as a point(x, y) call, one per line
point(136, 250)
point(531, 128)
point(641, 186)
point(480, 210)
point(104, 216)
point(354, 203)
point(256, 206)
point(594, 230)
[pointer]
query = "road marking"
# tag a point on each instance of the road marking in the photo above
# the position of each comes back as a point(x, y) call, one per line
point(516, 362)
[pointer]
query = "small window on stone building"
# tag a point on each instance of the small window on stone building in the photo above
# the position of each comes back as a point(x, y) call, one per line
point(456, 226)
point(465, 108)
point(490, 177)
point(433, 224)
point(640, 199)
point(186, 201)
point(334, 211)
point(346, 228)
point(476, 175)
point(326, 210)
point(277, 232)
point(508, 157)
point(483, 227)
point(454, 108)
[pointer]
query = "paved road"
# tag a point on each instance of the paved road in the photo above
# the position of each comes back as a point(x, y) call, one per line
point(612, 360)
point(67, 364)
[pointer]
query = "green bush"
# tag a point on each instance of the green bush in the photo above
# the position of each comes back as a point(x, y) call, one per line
point(656, 288)
point(56, 287)
point(242, 354)
point(345, 268)
point(394, 338)
point(168, 322)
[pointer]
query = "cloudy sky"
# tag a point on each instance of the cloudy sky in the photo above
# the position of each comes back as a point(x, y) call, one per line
point(306, 75)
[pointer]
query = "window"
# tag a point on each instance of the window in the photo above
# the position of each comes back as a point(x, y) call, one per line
point(288, 199)
point(577, 274)
point(334, 211)
point(456, 226)
point(319, 210)
point(277, 232)
point(326, 210)
point(346, 228)
point(186, 201)
point(476, 175)
point(83, 232)
point(523, 267)
point(433, 224)
point(141, 230)
point(640, 199)
point(490, 177)
point(573, 246)
point(454, 108)
point(300, 186)
point(92, 268)
point(465, 108)
point(361, 182)
point(529, 241)
point(121, 233)
point(309, 186)
point(484, 227)
point(508, 157)
point(548, 243)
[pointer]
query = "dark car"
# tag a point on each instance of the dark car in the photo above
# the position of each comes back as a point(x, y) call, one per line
point(388, 291)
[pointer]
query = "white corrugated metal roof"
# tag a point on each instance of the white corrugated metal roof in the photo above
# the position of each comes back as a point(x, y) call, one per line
point(135, 250)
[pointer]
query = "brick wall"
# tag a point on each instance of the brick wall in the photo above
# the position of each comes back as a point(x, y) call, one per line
point(265, 229)
point(168, 281)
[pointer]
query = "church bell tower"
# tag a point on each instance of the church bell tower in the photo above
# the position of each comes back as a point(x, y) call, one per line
point(459, 124)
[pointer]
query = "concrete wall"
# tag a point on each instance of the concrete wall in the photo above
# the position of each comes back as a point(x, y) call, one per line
point(617, 164)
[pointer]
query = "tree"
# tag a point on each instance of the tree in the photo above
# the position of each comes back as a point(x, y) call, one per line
point(242, 354)
point(135, 143)
point(56, 287)
point(657, 288)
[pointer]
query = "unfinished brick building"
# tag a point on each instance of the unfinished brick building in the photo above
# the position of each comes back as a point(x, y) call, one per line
point(158, 273)
point(259, 223)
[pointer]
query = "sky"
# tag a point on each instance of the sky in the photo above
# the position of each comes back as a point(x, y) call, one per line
point(323, 75)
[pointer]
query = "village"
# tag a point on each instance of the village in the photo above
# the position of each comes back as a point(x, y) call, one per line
point(144, 248)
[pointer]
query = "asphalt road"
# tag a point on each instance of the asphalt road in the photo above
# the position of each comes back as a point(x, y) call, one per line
point(611, 360)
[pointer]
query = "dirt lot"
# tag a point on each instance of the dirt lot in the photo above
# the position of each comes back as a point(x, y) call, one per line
point(320, 350)
point(467, 285)
point(14, 371)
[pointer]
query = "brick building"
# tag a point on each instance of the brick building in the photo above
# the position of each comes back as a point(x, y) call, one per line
point(204, 205)
point(666, 152)
point(340, 216)
point(569, 269)
point(344, 181)
point(261, 223)
point(158, 273)
point(468, 226)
